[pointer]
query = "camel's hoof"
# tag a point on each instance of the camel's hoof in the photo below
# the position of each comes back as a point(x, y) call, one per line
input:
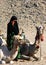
point(37, 59)
point(25, 57)
point(3, 62)
point(11, 62)
point(41, 58)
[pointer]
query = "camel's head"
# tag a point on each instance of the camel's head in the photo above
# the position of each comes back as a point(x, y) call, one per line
point(39, 35)
point(40, 32)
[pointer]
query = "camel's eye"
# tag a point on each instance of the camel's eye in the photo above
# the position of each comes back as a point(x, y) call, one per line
point(40, 28)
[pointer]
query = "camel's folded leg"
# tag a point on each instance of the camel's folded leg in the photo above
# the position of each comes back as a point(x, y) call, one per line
point(11, 57)
point(7, 59)
point(36, 58)
point(2, 62)
point(24, 57)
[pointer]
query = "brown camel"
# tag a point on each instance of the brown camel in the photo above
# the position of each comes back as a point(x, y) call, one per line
point(27, 49)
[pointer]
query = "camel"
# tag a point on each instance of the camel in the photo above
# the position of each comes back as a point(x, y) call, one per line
point(25, 48)
point(5, 54)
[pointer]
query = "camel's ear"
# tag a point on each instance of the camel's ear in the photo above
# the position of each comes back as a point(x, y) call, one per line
point(36, 27)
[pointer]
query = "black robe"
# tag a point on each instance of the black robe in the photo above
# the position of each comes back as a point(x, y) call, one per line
point(11, 31)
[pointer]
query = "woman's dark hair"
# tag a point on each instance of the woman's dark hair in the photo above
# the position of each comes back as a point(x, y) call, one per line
point(13, 18)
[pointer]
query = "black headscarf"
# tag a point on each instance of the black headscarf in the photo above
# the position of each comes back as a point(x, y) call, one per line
point(15, 29)
point(13, 18)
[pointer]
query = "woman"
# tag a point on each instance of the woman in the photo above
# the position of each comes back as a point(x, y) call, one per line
point(12, 29)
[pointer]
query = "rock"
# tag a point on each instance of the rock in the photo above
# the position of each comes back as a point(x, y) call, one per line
point(35, 4)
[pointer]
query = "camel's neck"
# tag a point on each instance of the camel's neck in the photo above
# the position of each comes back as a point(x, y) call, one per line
point(37, 40)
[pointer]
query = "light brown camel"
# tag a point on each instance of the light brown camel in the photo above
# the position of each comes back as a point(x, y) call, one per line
point(5, 54)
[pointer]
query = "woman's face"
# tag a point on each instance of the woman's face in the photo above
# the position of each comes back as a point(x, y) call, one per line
point(13, 22)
